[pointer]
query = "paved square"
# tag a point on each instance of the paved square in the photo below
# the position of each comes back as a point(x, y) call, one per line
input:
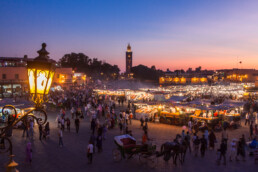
point(48, 156)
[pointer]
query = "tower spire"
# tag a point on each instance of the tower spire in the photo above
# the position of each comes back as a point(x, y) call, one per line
point(128, 47)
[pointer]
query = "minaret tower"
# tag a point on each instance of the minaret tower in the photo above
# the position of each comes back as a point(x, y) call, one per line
point(128, 59)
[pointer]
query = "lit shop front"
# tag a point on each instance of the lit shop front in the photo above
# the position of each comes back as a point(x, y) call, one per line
point(13, 89)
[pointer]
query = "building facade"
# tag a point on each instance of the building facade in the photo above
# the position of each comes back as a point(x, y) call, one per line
point(128, 60)
point(240, 75)
point(63, 77)
point(14, 77)
point(13, 81)
point(189, 77)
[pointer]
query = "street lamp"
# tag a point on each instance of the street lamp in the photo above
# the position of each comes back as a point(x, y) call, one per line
point(40, 74)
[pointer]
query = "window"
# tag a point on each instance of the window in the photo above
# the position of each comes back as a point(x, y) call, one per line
point(16, 76)
point(3, 76)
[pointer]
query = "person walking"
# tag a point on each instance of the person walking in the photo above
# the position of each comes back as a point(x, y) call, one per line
point(93, 125)
point(190, 126)
point(183, 134)
point(241, 147)
point(68, 122)
point(72, 112)
point(99, 143)
point(104, 130)
point(62, 123)
point(203, 145)
point(196, 142)
point(92, 141)
point(47, 129)
point(40, 131)
point(188, 141)
point(60, 135)
point(223, 151)
point(126, 118)
point(206, 136)
point(31, 129)
point(90, 152)
point(145, 127)
point(28, 153)
point(256, 117)
point(233, 149)
point(145, 138)
point(142, 121)
point(256, 130)
point(131, 117)
point(120, 125)
point(25, 128)
point(224, 134)
point(77, 124)
point(247, 120)
point(212, 140)
point(251, 130)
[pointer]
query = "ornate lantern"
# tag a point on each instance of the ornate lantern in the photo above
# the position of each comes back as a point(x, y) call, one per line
point(40, 73)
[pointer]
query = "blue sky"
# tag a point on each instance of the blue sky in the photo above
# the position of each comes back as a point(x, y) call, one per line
point(171, 34)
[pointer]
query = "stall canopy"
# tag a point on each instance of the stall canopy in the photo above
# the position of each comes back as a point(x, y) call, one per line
point(176, 99)
point(159, 97)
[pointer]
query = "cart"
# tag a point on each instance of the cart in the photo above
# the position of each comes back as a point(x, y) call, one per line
point(127, 148)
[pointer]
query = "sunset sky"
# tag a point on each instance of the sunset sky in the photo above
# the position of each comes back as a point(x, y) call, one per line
point(174, 34)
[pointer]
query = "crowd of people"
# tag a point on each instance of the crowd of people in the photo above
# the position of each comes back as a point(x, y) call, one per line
point(99, 109)
point(200, 142)
point(102, 111)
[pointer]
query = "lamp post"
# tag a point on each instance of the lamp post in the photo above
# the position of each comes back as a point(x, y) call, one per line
point(40, 74)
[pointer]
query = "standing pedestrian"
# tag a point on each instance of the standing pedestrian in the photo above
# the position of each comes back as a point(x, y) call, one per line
point(223, 151)
point(77, 124)
point(196, 142)
point(203, 145)
point(126, 118)
point(60, 135)
point(68, 124)
point(188, 141)
point(92, 141)
point(120, 125)
point(62, 123)
point(25, 128)
point(131, 117)
point(28, 153)
point(224, 134)
point(72, 112)
point(93, 125)
point(90, 153)
point(241, 146)
point(99, 143)
point(233, 149)
point(31, 129)
point(251, 130)
point(104, 130)
point(142, 121)
point(206, 136)
point(40, 131)
point(47, 129)
point(190, 126)
point(212, 140)
point(256, 117)
point(247, 116)
point(183, 134)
